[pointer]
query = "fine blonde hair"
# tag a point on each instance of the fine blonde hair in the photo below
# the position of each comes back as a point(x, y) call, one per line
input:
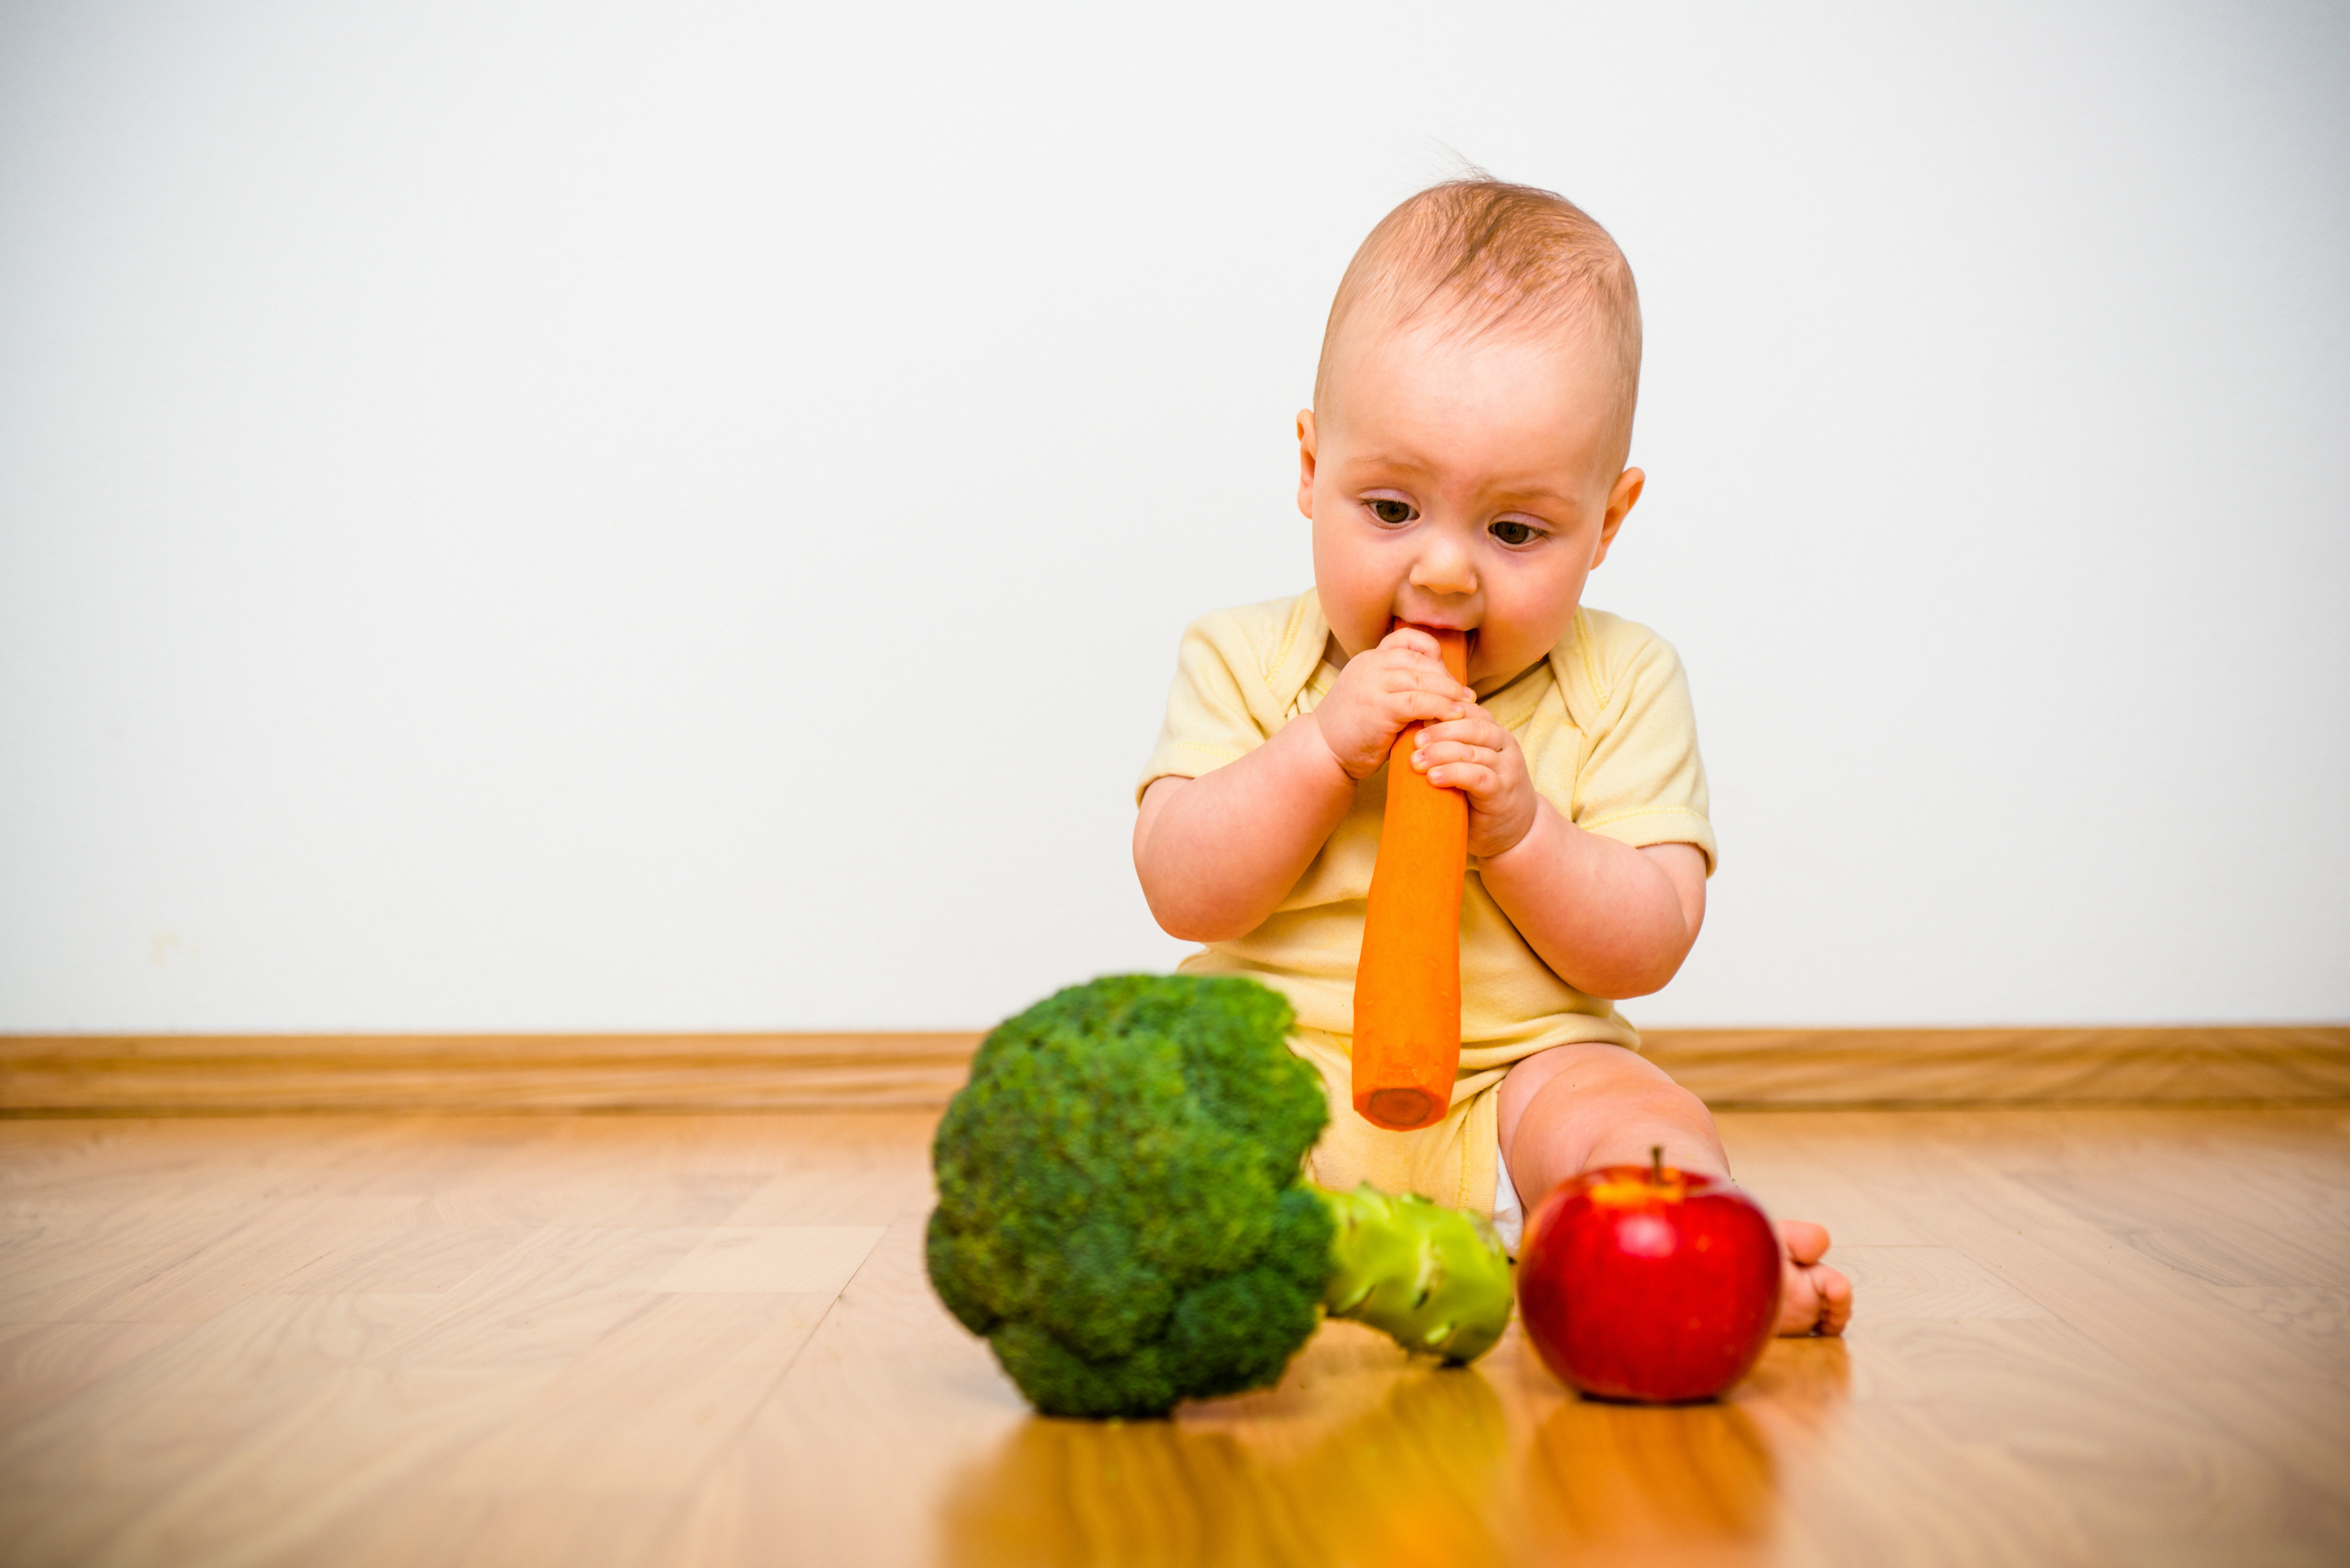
point(1479, 255)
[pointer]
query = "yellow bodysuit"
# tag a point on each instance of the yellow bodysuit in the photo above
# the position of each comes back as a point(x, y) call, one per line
point(1609, 740)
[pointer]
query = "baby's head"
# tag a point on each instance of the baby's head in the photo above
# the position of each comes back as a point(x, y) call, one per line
point(1463, 460)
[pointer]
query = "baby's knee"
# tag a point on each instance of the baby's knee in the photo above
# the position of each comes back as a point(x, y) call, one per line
point(1581, 1108)
point(1666, 1100)
point(1588, 1066)
point(1616, 1099)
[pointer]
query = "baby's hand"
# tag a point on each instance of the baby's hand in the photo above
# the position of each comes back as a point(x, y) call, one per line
point(1381, 690)
point(1477, 757)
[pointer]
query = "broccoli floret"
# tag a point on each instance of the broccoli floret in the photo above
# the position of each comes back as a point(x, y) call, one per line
point(1121, 1210)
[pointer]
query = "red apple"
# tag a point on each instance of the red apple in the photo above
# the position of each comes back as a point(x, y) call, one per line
point(1648, 1282)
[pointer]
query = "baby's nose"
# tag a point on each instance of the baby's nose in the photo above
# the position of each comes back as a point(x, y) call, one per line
point(1444, 568)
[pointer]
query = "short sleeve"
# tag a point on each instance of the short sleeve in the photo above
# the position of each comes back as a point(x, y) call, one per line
point(1238, 674)
point(1641, 781)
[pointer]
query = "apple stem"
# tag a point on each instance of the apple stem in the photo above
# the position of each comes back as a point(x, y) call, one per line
point(1657, 1163)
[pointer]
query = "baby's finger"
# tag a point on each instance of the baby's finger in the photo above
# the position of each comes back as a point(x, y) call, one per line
point(1471, 729)
point(1474, 780)
point(1425, 705)
point(1433, 760)
point(1445, 743)
point(1460, 701)
point(1411, 640)
point(1409, 672)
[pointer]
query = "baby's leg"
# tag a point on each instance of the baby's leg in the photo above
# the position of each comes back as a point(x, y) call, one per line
point(1573, 1108)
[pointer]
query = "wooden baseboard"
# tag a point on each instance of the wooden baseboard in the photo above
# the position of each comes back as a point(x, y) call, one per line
point(1787, 1069)
point(650, 1074)
point(1732, 1069)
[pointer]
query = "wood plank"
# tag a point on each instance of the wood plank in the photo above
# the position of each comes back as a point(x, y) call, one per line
point(2084, 1336)
point(1730, 1069)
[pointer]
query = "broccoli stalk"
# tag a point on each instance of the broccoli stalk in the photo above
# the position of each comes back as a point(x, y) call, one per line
point(1121, 1209)
point(1432, 1279)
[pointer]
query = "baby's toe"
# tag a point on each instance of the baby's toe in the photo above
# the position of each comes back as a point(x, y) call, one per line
point(1798, 1301)
point(1807, 1244)
point(1813, 1300)
point(1836, 1299)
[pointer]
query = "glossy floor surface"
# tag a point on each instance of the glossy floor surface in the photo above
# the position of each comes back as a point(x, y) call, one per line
point(2083, 1337)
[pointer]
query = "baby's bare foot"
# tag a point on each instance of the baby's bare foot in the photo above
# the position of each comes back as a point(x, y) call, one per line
point(1815, 1299)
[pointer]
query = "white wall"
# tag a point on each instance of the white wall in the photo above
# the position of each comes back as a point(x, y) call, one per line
point(559, 516)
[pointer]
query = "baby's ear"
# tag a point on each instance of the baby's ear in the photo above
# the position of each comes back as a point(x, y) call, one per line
point(1621, 499)
point(1306, 462)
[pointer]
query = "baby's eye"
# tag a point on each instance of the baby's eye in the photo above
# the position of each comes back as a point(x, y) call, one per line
point(1391, 511)
point(1509, 532)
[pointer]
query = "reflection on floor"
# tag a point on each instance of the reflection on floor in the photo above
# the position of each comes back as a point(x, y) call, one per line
point(2084, 1336)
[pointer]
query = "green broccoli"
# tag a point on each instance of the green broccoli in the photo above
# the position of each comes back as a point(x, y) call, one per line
point(1122, 1213)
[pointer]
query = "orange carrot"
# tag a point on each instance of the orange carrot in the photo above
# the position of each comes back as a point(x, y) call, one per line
point(1408, 982)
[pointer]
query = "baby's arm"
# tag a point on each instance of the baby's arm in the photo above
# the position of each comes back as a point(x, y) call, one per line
point(1217, 854)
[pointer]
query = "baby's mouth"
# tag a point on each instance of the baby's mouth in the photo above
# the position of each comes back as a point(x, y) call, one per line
point(1468, 633)
point(1468, 636)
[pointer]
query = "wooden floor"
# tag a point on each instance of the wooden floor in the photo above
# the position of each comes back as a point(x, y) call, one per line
point(2092, 1336)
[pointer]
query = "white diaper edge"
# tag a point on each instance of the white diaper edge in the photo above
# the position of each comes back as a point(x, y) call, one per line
point(1509, 1214)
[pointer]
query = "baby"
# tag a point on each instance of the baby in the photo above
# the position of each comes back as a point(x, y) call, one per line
point(1462, 466)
